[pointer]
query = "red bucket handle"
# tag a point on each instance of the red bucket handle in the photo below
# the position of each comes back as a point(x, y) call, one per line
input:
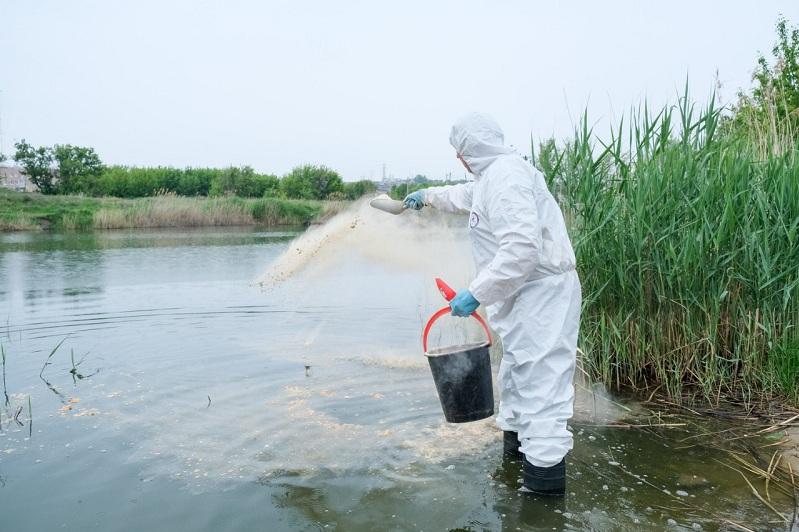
point(447, 310)
point(448, 294)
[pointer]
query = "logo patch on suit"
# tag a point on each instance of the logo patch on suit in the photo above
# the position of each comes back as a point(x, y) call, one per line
point(473, 220)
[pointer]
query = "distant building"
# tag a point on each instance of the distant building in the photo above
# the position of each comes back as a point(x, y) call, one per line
point(14, 178)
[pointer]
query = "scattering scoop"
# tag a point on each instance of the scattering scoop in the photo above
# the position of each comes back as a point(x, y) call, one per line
point(384, 203)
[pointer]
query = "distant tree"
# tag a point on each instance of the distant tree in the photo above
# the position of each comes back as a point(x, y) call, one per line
point(38, 165)
point(62, 168)
point(773, 103)
point(399, 191)
point(780, 83)
point(420, 179)
point(311, 182)
point(78, 168)
point(403, 189)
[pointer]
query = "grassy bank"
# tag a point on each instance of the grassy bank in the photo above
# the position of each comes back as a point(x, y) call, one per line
point(687, 242)
point(26, 211)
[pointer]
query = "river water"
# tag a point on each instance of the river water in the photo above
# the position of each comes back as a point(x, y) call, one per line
point(181, 396)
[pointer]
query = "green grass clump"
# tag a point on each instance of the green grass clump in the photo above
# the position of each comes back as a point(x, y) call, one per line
point(269, 211)
point(687, 243)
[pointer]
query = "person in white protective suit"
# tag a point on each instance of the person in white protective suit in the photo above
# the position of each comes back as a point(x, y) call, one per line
point(527, 282)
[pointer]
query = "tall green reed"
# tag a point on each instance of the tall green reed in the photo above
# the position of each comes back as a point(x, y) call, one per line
point(687, 242)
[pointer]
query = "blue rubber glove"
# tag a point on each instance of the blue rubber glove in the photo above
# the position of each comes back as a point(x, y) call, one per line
point(463, 304)
point(414, 200)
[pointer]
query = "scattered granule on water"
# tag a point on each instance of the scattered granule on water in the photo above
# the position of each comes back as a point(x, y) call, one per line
point(671, 522)
point(613, 463)
point(681, 493)
point(605, 487)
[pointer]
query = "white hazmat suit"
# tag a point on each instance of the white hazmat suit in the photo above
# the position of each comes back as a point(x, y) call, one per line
point(526, 280)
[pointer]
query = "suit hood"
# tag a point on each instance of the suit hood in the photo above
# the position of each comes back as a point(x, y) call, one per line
point(479, 140)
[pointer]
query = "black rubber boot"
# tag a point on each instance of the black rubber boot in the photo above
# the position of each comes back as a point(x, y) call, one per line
point(547, 481)
point(510, 445)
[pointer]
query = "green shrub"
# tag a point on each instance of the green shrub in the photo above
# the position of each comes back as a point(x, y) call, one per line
point(272, 211)
point(311, 182)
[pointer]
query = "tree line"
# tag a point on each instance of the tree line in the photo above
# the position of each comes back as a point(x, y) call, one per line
point(68, 169)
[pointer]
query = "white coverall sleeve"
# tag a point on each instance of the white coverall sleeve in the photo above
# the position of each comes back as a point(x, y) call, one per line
point(513, 216)
point(450, 198)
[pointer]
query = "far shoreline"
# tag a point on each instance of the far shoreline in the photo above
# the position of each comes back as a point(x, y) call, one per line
point(31, 211)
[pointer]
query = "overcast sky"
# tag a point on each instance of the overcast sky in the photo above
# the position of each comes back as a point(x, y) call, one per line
point(352, 85)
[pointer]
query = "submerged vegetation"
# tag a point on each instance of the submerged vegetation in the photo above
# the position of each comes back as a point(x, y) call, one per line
point(29, 211)
point(687, 238)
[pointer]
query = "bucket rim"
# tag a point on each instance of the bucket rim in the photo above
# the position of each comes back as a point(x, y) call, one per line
point(460, 349)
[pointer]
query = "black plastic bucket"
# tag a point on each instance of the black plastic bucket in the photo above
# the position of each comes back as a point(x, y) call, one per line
point(463, 381)
point(462, 376)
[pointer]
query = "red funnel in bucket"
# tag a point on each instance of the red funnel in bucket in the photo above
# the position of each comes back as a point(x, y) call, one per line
point(463, 375)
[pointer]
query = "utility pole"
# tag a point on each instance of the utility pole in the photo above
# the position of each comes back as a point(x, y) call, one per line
point(1, 124)
point(384, 171)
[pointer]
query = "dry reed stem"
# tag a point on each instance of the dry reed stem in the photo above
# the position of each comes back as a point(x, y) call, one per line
point(760, 497)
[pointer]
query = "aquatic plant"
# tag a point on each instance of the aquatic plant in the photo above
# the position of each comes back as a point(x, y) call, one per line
point(5, 389)
point(76, 375)
point(50, 356)
point(687, 243)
